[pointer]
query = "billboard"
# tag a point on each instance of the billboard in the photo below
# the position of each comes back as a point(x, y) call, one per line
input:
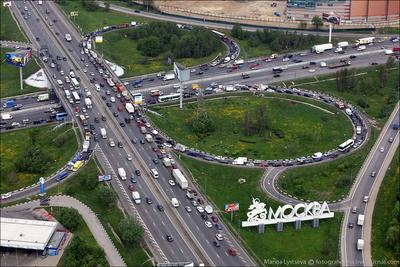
point(19, 58)
point(98, 39)
point(330, 17)
point(105, 178)
point(232, 207)
point(137, 99)
point(181, 72)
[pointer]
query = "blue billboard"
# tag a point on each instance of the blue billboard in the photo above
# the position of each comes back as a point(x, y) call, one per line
point(19, 58)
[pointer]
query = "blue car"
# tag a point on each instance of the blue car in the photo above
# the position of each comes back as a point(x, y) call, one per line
point(133, 179)
point(218, 226)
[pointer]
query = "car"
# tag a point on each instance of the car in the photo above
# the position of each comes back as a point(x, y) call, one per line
point(137, 172)
point(232, 251)
point(108, 92)
point(219, 237)
point(214, 218)
point(374, 63)
point(200, 200)
point(119, 144)
point(168, 237)
point(6, 196)
point(171, 182)
point(200, 209)
point(103, 118)
point(313, 63)
point(188, 209)
point(351, 225)
point(131, 187)
point(354, 210)
point(112, 99)
point(96, 120)
point(311, 70)
point(142, 141)
point(160, 207)
point(216, 243)
point(204, 216)
point(108, 104)
point(155, 161)
point(133, 179)
point(122, 124)
point(111, 142)
point(353, 57)
point(277, 75)
point(366, 198)
point(218, 226)
point(305, 67)
point(149, 200)
point(208, 224)
point(373, 174)
point(129, 157)
point(382, 149)
point(115, 114)
point(194, 203)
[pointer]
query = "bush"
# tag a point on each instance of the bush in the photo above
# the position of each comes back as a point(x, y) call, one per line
point(362, 103)
point(68, 218)
point(130, 231)
point(32, 160)
point(105, 195)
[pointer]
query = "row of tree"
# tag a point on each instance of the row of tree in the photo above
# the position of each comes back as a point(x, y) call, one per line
point(275, 40)
point(156, 38)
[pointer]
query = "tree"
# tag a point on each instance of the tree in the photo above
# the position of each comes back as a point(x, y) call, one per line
point(382, 75)
point(362, 103)
point(148, 3)
point(317, 22)
point(263, 121)
point(107, 6)
point(201, 124)
point(32, 160)
point(237, 31)
point(105, 195)
point(247, 124)
point(89, 5)
point(130, 231)
point(68, 218)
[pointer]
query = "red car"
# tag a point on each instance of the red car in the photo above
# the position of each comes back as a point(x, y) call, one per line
point(214, 218)
point(232, 251)
point(131, 187)
point(120, 108)
point(77, 109)
point(254, 66)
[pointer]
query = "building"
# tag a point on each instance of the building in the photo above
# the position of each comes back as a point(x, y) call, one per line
point(350, 11)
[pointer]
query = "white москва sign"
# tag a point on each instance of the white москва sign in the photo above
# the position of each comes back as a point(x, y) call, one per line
point(258, 214)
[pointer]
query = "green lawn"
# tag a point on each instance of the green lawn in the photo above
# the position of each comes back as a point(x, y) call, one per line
point(387, 200)
point(83, 233)
point(305, 244)
point(82, 187)
point(58, 145)
point(306, 129)
point(389, 30)
point(9, 28)
point(326, 181)
point(378, 99)
point(120, 49)
point(9, 75)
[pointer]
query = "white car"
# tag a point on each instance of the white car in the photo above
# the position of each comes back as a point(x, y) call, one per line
point(129, 157)
point(219, 237)
point(171, 182)
point(6, 196)
point(188, 209)
point(366, 199)
point(311, 70)
point(200, 209)
point(208, 224)
point(382, 149)
point(84, 70)
point(112, 99)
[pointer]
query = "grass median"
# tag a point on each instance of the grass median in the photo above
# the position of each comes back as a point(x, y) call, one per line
point(9, 76)
point(299, 129)
point(28, 154)
point(273, 247)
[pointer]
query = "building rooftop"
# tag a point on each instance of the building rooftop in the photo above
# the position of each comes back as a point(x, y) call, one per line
point(27, 234)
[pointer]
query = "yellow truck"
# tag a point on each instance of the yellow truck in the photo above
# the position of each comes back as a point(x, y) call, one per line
point(196, 86)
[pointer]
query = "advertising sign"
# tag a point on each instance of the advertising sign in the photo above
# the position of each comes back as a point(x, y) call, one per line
point(232, 207)
point(19, 58)
point(259, 215)
point(330, 17)
point(105, 178)
point(181, 72)
point(98, 39)
point(137, 99)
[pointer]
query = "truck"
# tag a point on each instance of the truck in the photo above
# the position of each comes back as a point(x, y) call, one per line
point(342, 45)
point(129, 107)
point(317, 156)
point(360, 220)
point(174, 202)
point(6, 116)
point(190, 194)
point(364, 41)
point(88, 103)
point(208, 209)
point(167, 162)
point(122, 173)
point(9, 104)
point(143, 129)
point(148, 138)
point(43, 97)
point(321, 48)
point(339, 64)
point(85, 145)
point(68, 37)
point(169, 76)
point(180, 178)
point(103, 133)
point(360, 244)
point(239, 61)
point(196, 86)
point(136, 197)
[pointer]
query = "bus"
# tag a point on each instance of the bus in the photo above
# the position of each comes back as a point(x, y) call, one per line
point(77, 165)
point(346, 145)
point(61, 116)
point(218, 33)
point(75, 83)
point(171, 97)
point(77, 99)
point(155, 93)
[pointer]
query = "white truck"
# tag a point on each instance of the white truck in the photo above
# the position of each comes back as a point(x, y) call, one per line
point(103, 133)
point(180, 178)
point(169, 76)
point(88, 103)
point(43, 97)
point(360, 244)
point(85, 145)
point(174, 202)
point(136, 197)
point(6, 116)
point(148, 138)
point(342, 44)
point(122, 173)
point(360, 220)
point(208, 209)
point(129, 107)
point(317, 156)
point(167, 162)
point(364, 41)
point(68, 37)
point(321, 48)
point(239, 61)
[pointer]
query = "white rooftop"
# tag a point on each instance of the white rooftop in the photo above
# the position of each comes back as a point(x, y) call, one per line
point(28, 234)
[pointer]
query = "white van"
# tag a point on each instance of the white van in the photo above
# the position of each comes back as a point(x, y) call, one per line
point(358, 130)
point(174, 202)
point(59, 83)
point(154, 173)
point(6, 116)
point(97, 87)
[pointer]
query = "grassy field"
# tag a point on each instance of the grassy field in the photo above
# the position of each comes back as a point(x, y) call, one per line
point(367, 88)
point(306, 129)
point(9, 76)
point(120, 49)
point(59, 148)
point(327, 181)
point(9, 29)
point(83, 187)
point(388, 198)
point(83, 233)
point(302, 245)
